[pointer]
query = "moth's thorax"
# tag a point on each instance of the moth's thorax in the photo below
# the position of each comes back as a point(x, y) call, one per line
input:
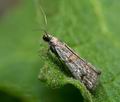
point(54, 41)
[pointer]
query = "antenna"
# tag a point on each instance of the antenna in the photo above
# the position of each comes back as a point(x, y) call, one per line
point(40, 12)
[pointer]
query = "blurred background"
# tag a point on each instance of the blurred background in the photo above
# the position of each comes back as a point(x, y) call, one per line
point(82, 24)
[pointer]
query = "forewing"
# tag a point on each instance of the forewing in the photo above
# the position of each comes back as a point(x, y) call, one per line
point(80, 69)
point(73, 63)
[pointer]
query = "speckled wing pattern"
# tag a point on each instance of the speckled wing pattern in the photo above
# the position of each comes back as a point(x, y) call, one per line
point(78, 67)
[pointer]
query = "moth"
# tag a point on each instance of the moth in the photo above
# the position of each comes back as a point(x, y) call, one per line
point(78, 67)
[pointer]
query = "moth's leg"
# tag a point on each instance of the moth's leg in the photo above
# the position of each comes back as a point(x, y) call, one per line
point(50, 49)
point(49, 52)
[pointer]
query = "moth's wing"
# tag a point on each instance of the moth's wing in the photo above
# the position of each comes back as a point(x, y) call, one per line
point(84, 61)
point(80, 69)
point(76, 66)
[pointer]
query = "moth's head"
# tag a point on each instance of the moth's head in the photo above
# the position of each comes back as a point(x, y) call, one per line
point(47, 37)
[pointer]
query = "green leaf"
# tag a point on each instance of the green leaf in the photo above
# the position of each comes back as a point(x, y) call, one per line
point(90, 27)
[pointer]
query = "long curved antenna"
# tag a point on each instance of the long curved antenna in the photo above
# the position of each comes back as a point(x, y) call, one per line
point(44, 15)
point(38, 9)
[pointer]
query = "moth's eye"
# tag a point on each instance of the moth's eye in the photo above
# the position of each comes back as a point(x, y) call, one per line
point(46, 38)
